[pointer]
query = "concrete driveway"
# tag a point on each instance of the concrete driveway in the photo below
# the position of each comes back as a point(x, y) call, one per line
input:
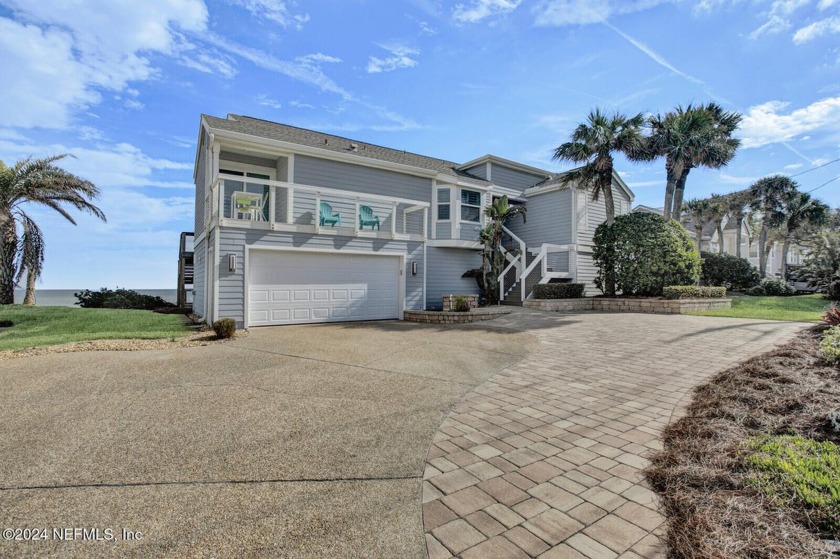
point(312, 441)
point(293, 442)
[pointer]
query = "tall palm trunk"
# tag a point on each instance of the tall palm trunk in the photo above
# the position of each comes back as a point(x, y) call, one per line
point(740, 223)
point(679, 191)
point(609, 203)
point(29, 298)
point(762, 246)
point(670, 186)
point(785, 250)
point(8, 252)
point(720, 237)
point(698, 230)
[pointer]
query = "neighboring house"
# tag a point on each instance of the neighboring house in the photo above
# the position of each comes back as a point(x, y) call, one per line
point(298, 226)
point(749, 250)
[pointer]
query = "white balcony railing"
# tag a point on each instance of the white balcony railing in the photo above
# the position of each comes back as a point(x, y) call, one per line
point(264, 204)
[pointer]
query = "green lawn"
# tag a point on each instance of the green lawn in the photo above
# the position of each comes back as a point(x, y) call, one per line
point(41, 326)
point(799, 308)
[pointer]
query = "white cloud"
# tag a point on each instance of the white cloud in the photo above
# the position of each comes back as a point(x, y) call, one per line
point(817, 29)
point(427, 29)
point(401, 57)
point(825, 4)
point(765, 124)
point(66, 53)
point(793, 166)
point(267, 101)
point(274, 10)
point(316, 59)
point(301, 105)
point(653, 55)
point(120, 165)
point(481, 9)
point(212, 62)
point(778, 17)
point(582, 12)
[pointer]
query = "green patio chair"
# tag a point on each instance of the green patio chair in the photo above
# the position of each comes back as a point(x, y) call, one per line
point(328, 217)
point(366, 217)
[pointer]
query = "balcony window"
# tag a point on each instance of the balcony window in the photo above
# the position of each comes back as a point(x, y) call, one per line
point(470, 206)
point(255, 193)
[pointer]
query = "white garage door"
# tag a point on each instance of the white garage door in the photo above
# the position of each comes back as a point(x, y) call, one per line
point(300, 287)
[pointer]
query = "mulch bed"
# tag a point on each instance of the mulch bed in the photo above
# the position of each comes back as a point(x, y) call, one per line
point(710, 509)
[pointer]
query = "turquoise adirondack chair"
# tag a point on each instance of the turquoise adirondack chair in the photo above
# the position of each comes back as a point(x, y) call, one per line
point(328, 217)
point(366, 217)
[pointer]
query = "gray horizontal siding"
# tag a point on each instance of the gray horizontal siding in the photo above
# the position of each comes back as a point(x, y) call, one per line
point(597, 212)
point(444, 267)
point(344, 176)
point(586, 272)
point(549, 219)
point(234, 241)
point(512, 178)
point(199, 264)
point(469, 231)
point(479, 170)
point(443, 230)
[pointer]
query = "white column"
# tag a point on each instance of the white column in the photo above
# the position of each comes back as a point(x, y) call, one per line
point(317, 212)
point(393, 220)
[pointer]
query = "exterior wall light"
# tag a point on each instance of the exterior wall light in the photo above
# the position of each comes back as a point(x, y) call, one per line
point(231, 262)
point(414, 268)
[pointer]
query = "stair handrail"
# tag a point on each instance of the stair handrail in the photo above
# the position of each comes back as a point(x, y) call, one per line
point(522, 249)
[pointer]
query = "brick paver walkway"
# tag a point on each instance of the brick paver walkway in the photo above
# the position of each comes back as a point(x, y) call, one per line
point(545, 459)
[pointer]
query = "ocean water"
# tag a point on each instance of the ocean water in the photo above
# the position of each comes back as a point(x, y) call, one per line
point(65, 297)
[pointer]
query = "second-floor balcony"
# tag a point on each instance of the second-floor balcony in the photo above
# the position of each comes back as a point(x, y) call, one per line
point(235, 201)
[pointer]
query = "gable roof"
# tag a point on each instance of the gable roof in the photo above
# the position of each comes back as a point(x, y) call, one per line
point(337, 144)
point(554, 179)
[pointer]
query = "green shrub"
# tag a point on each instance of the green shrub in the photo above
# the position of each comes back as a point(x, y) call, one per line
point(830, 345)
point(224, 327)
point(794, 470)
point(119, 299)
point(727, 270)
point(559, 290)
point(460, 304)
point(693, 292)
point(644, 253)
point(772, 287)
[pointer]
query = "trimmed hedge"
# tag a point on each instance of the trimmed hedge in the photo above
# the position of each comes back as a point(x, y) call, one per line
point(119, 299)
point(772, 287)
point(559, 291)
point(693, 292)
point(728, 270)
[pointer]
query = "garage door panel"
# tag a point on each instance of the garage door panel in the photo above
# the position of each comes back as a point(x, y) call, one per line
point(291, 287)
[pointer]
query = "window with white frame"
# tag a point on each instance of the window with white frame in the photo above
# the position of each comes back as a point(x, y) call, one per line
point(470, 206)
point(443, 204)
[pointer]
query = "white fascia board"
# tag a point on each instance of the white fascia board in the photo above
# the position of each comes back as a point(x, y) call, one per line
point(511, 193)
point(449, 180)
point(534, 190)
point(617, 178)
point(290, 147)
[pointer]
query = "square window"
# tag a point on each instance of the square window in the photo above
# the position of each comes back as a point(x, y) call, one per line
point(470, 206)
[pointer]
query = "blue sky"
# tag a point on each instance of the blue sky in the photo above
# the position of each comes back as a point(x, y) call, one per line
point(121, 85)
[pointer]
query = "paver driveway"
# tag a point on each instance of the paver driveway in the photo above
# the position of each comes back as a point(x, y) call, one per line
point(312, 441)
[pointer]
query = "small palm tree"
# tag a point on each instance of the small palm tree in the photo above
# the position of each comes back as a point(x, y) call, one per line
point(593, 143)
point(800, 212)
point(768, 195)
point(699, 212)
point(500, 212)
point(34, 182)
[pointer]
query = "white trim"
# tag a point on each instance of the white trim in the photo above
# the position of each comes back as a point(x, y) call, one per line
point(574, 216)
point(290, 168)
point(488, 171)
point(424, 276)
point(401, 288)
point(215, 264)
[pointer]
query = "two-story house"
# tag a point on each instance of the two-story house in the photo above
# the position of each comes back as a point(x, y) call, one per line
point(298, 226)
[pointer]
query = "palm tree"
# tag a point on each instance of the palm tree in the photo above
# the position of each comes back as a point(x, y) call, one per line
point(800, 211)
point(37, 182)
point(698, 211)
point(690, 137)
point(498, 213)
point(737, 206)
point(717, 213)
point(768, 196)
point(593, 144)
